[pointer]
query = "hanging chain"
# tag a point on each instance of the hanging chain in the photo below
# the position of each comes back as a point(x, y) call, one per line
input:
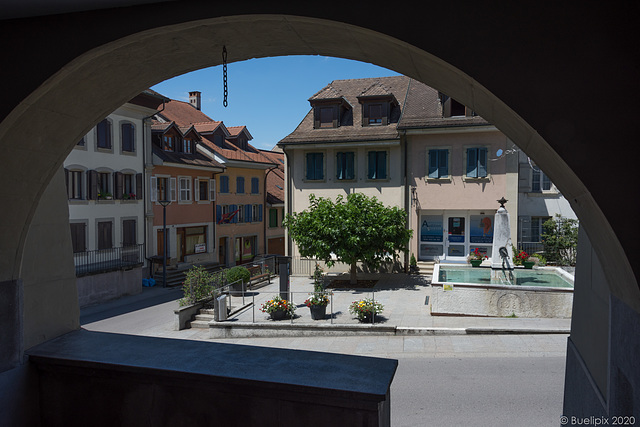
point(224, 75)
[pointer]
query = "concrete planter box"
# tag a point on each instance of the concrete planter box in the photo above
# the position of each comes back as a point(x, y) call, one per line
point(184, 315)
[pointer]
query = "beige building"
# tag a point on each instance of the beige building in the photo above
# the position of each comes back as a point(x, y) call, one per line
point(409, 146)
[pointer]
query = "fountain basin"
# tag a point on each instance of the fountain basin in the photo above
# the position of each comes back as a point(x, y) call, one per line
point(465, 291)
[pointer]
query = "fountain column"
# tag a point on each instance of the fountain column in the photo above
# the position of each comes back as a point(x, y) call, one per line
point(502, 254)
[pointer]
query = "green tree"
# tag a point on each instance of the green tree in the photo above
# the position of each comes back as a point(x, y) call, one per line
point(359, 228)
point(560, 240)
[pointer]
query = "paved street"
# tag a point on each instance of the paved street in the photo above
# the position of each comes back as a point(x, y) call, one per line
point(442, 380)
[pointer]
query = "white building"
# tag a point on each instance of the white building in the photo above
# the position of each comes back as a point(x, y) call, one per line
point(104, 174)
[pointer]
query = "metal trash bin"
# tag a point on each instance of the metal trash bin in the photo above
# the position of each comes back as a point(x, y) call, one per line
point(220, 308)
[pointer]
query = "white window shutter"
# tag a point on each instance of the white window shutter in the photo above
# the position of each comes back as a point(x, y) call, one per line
point(196, 189)
point(212, 190)
point(154, 189)
point(172, 186)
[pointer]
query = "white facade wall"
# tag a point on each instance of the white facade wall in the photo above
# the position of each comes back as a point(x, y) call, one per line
point(90, 157)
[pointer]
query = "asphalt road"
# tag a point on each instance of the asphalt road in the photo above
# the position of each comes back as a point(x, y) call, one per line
point(468, 380)
point(469, 391)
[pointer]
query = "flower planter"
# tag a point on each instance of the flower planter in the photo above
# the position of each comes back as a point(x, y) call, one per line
point(528, 264)
point(475, 262)
point(318, 312)
point(278, 315)
point(366, 318)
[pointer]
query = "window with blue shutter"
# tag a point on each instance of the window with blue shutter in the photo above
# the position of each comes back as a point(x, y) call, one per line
point(345, 165)
point(438, 163)
point(476, 162)
point(315, 166)
point(247, 213)
point(218, 213)
point(377, 168)
point(240, 185)
point(224, 184)
point(255, 185)
point(259, 213)
point(233, 209)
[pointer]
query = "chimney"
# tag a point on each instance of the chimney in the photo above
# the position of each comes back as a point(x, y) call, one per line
point(194, 99)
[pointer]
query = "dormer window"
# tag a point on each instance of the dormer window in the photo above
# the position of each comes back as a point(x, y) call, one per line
point(375, 114)
point(453, 108)
point(187, 145)
point(167, 143)
point(326, 116)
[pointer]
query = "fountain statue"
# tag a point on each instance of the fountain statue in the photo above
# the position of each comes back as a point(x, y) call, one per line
point(502, 254)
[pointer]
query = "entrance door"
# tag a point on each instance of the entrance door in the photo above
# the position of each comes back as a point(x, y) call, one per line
point(180, 244)
point(238, 250)
point(222, 251)
point(455, 241)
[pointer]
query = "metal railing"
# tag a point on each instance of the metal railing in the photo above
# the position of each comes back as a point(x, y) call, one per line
point(531, 247)
point(105, 260)
point(337, 310)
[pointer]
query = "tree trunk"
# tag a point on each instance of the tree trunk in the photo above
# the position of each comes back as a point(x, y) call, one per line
point(353, 280)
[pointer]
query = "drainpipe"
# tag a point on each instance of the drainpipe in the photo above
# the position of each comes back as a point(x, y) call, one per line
point(265, 215)
point(287, 200)
point(145, 182)
point(407, 194)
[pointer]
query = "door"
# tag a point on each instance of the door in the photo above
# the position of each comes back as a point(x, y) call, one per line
point(238, 250)
point(222, 251)
point(180, 244)
point(455, 241)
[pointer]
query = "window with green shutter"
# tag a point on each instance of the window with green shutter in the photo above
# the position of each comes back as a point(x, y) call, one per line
point(377, 168)
point(345, 165)
point(273, 218)
point(315, 166)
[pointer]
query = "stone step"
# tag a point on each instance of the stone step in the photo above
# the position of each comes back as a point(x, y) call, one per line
point(203, 317)
point(200, 324)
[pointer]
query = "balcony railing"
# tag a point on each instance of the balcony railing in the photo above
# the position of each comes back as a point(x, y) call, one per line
point(105, 260)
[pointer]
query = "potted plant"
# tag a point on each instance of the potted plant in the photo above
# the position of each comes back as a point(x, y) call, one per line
point(413, 265)
point(319, 299)
point(365, 309)
point(105, 196)
point(128, 196)
point(475, 258)
point(531, 261)
point(520, 258)
point(238, 277)
point(278, 308)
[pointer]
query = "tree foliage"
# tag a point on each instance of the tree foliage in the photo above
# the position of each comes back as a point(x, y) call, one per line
point(560, 240)
point(359, 228)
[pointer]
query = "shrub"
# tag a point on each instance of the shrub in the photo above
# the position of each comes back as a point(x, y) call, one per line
point(197, 286)
point(238, 273)
point(560, 239)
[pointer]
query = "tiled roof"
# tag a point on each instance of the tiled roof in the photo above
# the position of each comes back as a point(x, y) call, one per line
point(195, 159)
point(183, 113)
point(350, 128)
point(418, 106)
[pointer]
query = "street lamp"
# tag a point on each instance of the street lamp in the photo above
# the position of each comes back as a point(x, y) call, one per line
point(164, 204)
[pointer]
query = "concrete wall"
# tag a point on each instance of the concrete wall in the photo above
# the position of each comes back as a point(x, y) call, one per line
point(103, 287)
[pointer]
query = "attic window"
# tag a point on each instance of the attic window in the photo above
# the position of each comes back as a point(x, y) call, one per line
point(375, 114)
point(326, 116)
point(457, 109)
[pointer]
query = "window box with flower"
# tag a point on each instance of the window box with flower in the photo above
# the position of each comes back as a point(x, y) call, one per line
point(475, 258)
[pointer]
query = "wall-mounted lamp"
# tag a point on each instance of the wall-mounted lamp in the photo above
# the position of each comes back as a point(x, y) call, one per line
point(414, 195)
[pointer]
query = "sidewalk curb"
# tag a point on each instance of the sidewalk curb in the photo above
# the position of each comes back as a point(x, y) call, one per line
point(284, 329)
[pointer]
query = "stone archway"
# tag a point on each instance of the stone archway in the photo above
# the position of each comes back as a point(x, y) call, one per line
point(43, 127)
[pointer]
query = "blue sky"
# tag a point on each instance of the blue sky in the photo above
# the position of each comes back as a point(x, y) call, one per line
point(267, 95)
